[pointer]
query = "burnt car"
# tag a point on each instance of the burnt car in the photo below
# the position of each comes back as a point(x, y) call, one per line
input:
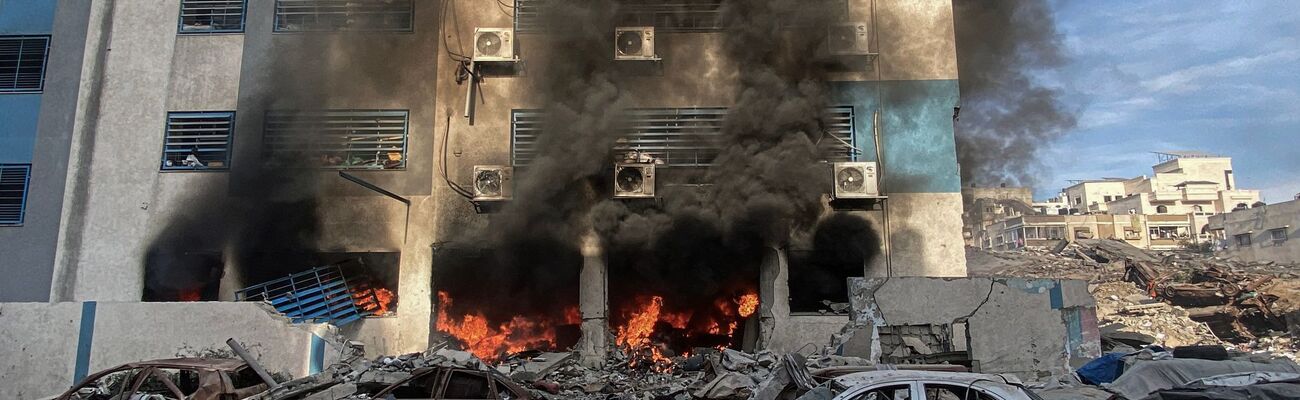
point(453, 383)
point(171, 379)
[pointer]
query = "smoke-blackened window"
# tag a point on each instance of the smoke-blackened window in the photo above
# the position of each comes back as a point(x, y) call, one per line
point(343, 15)
point(336, 139)
point(842, 246)
point(212, 16)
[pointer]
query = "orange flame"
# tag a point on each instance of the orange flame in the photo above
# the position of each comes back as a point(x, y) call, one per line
point(375, 300)
point(189, 295)
point(489, 343)
point(748, 304)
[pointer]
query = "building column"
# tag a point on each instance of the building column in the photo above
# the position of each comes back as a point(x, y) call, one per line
point(773, 295)
point(593, 303)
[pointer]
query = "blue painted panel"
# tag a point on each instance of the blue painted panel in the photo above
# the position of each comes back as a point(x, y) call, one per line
point(317, 354)
point(18, 116)
point(916, 132)
point(27, 16)
point(85, 337)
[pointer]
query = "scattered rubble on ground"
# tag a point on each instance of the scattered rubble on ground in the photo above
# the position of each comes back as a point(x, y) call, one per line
point(1173, 298)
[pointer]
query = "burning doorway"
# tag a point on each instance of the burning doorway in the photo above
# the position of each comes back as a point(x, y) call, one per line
point(501, 301)
point(686, 290)
point(182, 276)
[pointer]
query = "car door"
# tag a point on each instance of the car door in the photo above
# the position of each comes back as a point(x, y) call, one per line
point(104, 385)
point(952, 391)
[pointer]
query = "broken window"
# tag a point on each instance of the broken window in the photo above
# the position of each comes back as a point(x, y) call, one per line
point(336, 139)
point(357, 285)
point(343, 15)
point(212, 16)
point(934, 391)
point(465, 385)
point(891, 392)
point(197, 141)
point(14, 180)
point(1083, 233)
point(22, 63)
point(107, 386)
point(842, 246)
point(1243, 240)
point(1169, 232)
point(1278, 235)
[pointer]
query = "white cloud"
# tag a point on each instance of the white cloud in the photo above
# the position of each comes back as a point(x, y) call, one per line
point(1190, 78)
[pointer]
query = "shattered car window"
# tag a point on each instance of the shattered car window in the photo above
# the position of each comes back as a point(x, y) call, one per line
point(155, 386)
point(896, 392)
point(106, 387)
point(952, 392)
point(464, 385)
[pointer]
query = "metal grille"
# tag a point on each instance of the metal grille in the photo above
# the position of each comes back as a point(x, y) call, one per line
point(197, 141)
point(22, 63)
point(14, 179)
point(319, 295)
point(664, 15)
point(680, 137)
point(336, 139)
point(212, 16)
point(343, 15)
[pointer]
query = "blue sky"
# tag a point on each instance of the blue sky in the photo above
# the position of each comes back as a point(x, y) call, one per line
point(1219, 77)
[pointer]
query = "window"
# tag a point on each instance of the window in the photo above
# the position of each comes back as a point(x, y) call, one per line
point(953, 392)
point(343, 15)
point(665, 16)
point(22, 63)
point(168, 383)
point(1169, 232)
point(1083, 233)
point(197, 141)
point(679, 137)
point(1108, 198)
point(14, 179)
point(107, 386)
point(336, 139)
point(464, 385)
point(1277, 235)
point(1243, 240)
point(1198, 208)
point(211, 16)
point(892, 392)
point(1078, 201)
point(1162, 209)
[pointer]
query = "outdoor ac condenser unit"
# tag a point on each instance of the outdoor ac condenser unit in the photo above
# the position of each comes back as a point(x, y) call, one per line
point(493, 182)
point(855, 180)
point(494, 44)
point(849, 39)
point(634, 43)
point(634, 180)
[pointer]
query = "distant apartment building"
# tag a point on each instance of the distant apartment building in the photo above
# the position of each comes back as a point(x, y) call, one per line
point(1259, 234)
point(1164, 211)
point(984, 205)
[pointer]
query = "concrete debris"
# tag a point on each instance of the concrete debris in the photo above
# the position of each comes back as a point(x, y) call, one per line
point(1171, 298)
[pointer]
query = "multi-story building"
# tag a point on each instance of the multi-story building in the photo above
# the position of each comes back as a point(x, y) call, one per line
point(180, 129)
point(984, 205)
point(1163, 211)
point(1259, 234)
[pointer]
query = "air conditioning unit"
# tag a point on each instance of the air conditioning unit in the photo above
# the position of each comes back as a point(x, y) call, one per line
point(855, 180)
point(493, 182)
point(634, 43)
point(494, 44)
point(849, 39)
point(634, 180)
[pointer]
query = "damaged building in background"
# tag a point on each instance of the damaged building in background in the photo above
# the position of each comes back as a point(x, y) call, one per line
point(526, 175)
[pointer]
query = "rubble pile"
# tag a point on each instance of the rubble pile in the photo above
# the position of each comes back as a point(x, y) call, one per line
point(1173, 298)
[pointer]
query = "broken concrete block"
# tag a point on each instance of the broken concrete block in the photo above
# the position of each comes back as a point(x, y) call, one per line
point(917, 345)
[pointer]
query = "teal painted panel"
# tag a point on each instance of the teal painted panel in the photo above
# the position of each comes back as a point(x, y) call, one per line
point(26, 16)
point(916, 132)
point(18, 116)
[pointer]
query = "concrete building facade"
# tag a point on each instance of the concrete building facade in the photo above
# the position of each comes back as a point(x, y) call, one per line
point(122, 75)
point(1259, 234)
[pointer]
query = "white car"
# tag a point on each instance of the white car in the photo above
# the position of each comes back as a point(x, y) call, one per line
point(928, 385)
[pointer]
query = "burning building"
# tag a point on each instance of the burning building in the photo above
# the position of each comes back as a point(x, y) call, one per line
point(532, 174)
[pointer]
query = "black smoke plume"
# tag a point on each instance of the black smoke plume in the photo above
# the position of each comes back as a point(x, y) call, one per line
point(1006, 116)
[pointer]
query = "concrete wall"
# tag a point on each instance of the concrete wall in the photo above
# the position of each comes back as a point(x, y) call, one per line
point(1259, 223)
point(44, 347)
point(34, 128)
point(1031, 328)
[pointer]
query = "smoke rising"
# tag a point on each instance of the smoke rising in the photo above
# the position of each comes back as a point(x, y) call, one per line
point(703, 242)
point(1006, 116)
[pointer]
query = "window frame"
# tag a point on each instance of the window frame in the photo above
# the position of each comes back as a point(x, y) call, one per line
point(323, 116)
point(22, 197)
point(45, 64)
point(277, 15)
point(230, 140)
point(180, 21)
point(1273, 236)
point(1238, 239)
